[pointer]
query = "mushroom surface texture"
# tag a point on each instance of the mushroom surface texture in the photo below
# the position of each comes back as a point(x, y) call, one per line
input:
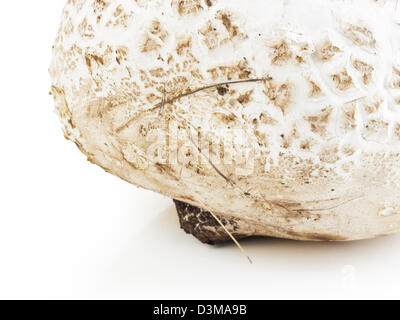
point(278, 117)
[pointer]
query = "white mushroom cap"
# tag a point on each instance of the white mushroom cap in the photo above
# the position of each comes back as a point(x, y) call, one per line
point(283, 114)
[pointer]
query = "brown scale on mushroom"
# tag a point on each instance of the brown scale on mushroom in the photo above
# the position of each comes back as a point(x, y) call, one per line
point(315, 89)
point(360, 35)
point(305, 145)
point(213, 32)
point(284, 52)
point(154, 36)
point(237, 71)
point(278, 94)
point(373, 106)
point(365, 69)
point(376, 130)
point(329, 154)
point(246, 97)
point(226, 19)
point(73, 56)
point(343, 81)
point(397, 131)
point(395, 81)
point(281, 53)
point(211, 36)
point(186, 7)
point(320, 121)
point(184, 45)
point(121, 54)
point(348, 121)
point(348, 150)
point(325, 50)
point(69, 27)
point(266, 119)
point(85, 29)
point(120, 18)
point(99, 6)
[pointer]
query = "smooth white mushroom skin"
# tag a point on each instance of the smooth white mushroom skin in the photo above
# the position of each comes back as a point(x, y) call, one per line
point(168, 95)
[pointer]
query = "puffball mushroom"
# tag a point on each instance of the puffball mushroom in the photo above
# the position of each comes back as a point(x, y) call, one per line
point(278, 117)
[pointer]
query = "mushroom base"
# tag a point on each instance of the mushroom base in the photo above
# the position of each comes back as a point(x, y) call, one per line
point(203, 226)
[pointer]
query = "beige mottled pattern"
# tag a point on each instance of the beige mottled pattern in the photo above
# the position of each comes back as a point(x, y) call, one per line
point(313, 85)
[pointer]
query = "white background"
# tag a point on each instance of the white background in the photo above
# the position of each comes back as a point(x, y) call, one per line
point(69, 230)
